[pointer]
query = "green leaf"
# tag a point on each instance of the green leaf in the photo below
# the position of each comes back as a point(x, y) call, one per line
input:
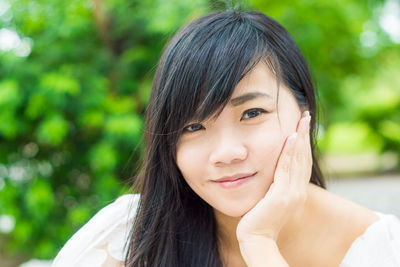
point(350, 138)
point(37, 106)
point(390, 130)
point(52, 130)
point(126, 127)
point(60, 83)
point(39, 199)
point(9, 94)
point(103, 157)
point(8, 125)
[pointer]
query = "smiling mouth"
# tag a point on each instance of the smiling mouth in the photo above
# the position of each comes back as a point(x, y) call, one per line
point(229, 182)
point(234, 177)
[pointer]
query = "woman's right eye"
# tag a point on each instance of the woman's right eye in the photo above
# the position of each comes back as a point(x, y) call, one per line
point(193, 127)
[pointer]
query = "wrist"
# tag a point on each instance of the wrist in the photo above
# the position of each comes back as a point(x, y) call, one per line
point(258, 242)
point(260, 251)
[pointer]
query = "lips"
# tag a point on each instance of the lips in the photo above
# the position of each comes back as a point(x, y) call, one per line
point(234, 181)
point(233, 177)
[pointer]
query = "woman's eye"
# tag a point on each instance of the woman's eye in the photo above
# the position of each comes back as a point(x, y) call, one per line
point(193, 127)
point(251, 113)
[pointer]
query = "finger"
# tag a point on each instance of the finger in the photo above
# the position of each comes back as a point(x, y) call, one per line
point(282, 171)
point(302, 156)
point(305, 114)
point(303, 145)
point(303, 125)
point(304, 132)
point(308, 161)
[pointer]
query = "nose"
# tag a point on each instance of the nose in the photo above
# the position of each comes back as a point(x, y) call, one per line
point(227, 150)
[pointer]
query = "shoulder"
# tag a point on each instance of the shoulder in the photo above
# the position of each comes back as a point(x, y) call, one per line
point(353, 232)
point(379, 245)
point(102, 239)
point(338, 213)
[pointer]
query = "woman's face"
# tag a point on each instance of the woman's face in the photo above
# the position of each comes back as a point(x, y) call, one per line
point(245, 140)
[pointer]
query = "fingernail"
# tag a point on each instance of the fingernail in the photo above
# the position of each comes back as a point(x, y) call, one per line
point(308, 122)
point(291, 139)
point(306, 113)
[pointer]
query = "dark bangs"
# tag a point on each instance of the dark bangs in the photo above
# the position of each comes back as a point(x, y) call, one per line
point(195, 79)
point(206, 60)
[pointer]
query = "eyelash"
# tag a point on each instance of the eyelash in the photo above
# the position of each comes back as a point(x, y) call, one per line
point(246, 112)
point(259, 110)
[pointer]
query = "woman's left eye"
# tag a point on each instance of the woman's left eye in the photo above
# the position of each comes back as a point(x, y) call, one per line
point(251, 113)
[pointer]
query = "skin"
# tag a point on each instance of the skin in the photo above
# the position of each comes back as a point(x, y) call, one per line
point(232, 144)
point(272, 217)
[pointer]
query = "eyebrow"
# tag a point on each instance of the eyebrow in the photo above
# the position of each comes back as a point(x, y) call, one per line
point(247, 97)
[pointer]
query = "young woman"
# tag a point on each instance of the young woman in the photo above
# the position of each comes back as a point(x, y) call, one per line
point(230, 177)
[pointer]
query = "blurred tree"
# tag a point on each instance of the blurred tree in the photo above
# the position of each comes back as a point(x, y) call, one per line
point(355, 64)
point(74, 85)
point(75, 78)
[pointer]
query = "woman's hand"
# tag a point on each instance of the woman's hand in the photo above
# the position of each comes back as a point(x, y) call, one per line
point(287, 193)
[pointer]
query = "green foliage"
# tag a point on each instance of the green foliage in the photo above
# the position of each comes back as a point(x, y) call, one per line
point(9, 102)
point(351, 138)
point(73, 95)
point(52, 130)
point(355, 65)
point(71, 109)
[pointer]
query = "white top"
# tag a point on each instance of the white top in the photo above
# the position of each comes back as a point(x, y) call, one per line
point(100, 242)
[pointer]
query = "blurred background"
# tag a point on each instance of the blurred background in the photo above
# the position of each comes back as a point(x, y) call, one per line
point(75, 78)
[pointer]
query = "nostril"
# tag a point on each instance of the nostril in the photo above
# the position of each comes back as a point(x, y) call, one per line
point(228, 155)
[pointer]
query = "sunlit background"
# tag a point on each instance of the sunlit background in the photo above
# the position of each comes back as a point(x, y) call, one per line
point(75, 78)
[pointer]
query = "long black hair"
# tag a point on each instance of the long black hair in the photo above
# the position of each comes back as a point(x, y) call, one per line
point(195, 78)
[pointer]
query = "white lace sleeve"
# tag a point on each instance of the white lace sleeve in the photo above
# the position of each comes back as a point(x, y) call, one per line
point(100, 242)
point(379, 245)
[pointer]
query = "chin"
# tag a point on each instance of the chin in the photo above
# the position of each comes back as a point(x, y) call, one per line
point(237, 209)
point(240, 203)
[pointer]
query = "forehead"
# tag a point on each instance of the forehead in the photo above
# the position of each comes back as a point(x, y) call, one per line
point(260, 79)
point(259, 83)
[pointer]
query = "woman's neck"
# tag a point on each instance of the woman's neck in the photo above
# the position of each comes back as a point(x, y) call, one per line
point(228, 244)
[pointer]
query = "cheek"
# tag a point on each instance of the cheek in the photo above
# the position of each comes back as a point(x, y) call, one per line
point(265, 147)
point(267, 141)
point(189, 161)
